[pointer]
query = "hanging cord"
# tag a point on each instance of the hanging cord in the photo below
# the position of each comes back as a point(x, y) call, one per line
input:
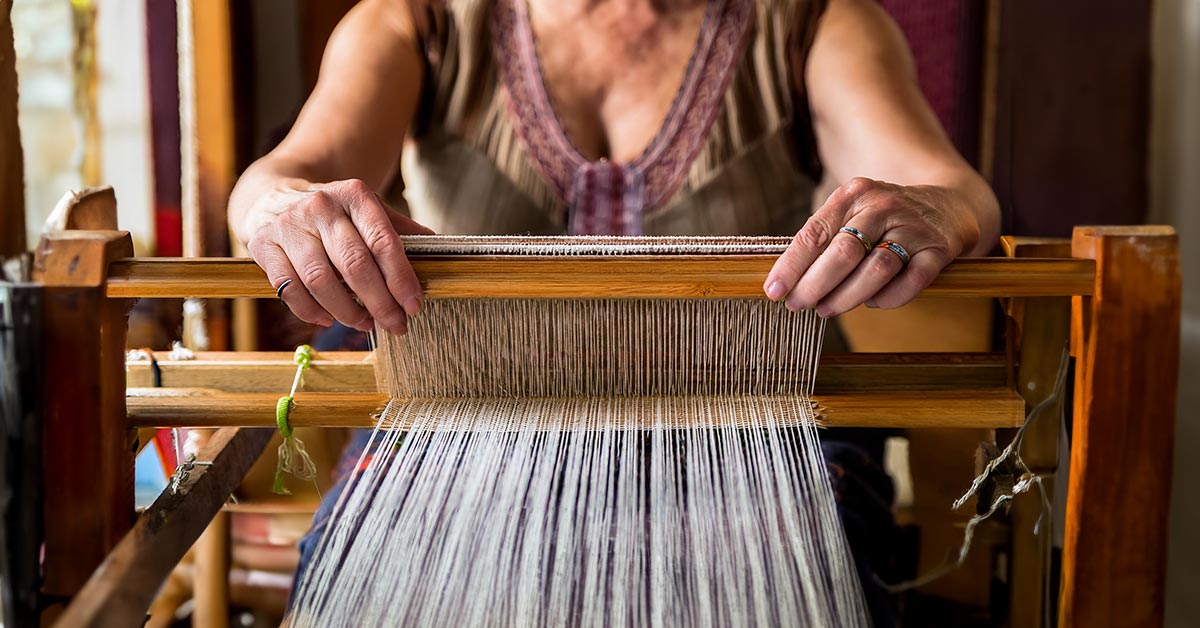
point(293, 458)
point(183, 466)
point(1027, 481)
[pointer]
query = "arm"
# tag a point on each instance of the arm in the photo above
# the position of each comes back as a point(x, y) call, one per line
point(900, 178)
point(308, 210)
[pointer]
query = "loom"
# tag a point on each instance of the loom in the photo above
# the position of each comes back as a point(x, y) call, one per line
point(1112, 294)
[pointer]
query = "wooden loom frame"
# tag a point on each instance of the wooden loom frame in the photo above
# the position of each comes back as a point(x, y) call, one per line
point(1122, 282)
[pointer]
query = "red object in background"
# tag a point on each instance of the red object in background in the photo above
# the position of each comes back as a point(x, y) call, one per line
point(946, 37)
point(165, 445)
point(163, 55)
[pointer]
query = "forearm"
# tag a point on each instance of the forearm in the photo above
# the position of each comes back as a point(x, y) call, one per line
point(872, 121)
point(353, 125)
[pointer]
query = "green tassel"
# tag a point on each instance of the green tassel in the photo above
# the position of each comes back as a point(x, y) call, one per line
point(293, 457)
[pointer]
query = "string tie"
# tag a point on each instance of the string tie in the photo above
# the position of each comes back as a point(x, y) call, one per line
point(293, 457)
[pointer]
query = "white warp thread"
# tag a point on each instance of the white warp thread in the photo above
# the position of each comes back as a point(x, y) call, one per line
point(603, 463)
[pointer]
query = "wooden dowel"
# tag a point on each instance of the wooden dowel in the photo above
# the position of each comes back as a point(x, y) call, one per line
point(121, 590)
point(172, 407)
point(679, 276)
point(354, 371)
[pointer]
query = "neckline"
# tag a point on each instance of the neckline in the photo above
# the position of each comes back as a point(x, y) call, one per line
point(670, 122)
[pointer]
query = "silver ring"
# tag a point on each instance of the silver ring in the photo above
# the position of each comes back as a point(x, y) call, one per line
point(862, 237)
point(279, 290)
point(897, 249)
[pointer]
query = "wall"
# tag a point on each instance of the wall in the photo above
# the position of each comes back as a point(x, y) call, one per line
point(54, 108)
point(1175, 199)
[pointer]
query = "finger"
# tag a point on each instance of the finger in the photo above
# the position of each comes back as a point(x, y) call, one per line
point(376, 225)
point(875, 271)
point(312, 264)
point(921, 271)
point(274, 261)
point(353, 259)
point(840, 259)
point(809, 243)
point(812, 239)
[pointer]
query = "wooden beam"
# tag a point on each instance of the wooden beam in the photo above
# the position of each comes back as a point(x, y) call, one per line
point(121, 590)
point(12, 167)
point(340, 371)
point(88, 449)
point(1038, 333)
point(682, 276)
point(354, 371)
point(1125, 339)
point(175, 407)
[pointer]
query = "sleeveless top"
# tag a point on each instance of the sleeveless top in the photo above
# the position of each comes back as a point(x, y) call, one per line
point(736, 154)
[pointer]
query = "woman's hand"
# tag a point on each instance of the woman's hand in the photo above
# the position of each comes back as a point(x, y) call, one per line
point(834, 271)
point(319, 235)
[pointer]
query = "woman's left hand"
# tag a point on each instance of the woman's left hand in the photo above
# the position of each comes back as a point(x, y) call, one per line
point(834, 271)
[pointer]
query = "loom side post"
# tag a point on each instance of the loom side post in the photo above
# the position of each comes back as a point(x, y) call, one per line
point(1125, 339)
point(88, 451)
point(1038, 333)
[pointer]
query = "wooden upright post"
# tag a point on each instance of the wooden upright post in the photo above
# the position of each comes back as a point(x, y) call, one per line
point(12, 170)
point(1040, 327)
point(88, 451)
point(1125, 339)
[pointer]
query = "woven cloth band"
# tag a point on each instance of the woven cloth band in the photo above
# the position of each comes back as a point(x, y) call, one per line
point(594, 245)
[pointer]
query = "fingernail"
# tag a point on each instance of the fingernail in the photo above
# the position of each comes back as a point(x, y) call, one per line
point(871, 304)
point(824, 311)
point(412, 306)
point(776, 290)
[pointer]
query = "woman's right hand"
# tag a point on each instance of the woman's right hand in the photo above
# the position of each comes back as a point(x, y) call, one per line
point(321, 234)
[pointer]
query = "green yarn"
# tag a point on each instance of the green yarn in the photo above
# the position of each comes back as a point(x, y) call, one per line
point(293, 458)
point(303, 356)
point(282, 408)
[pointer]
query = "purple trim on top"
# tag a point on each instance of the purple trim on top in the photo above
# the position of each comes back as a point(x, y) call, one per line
point(604, 197)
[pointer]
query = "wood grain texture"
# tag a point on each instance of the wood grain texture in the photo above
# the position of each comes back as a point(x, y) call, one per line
point(88, 449)
point(121, 590)
point(182, 407)
point(211, 583)
point(682, 276)
point(1038, 333)
point(354, 371)
point(236, 371)
point(1126, 342)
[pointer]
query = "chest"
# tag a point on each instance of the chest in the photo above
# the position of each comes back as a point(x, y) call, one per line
point(612, 71)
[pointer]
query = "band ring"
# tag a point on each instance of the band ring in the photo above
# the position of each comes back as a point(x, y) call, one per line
point(897, 249)
point(862, 237)
point(279, 290)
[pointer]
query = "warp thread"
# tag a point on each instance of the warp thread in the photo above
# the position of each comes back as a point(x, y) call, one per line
point(293, 457)
point(1027, 481)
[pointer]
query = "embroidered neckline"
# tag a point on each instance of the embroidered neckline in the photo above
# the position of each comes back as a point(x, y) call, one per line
point(666, 158)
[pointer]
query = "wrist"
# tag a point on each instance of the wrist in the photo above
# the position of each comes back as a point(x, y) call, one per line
point(270, 199)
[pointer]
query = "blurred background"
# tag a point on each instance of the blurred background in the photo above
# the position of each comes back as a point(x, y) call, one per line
point(1077, 111)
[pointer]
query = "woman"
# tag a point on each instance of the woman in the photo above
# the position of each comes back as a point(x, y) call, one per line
point(613, 116)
